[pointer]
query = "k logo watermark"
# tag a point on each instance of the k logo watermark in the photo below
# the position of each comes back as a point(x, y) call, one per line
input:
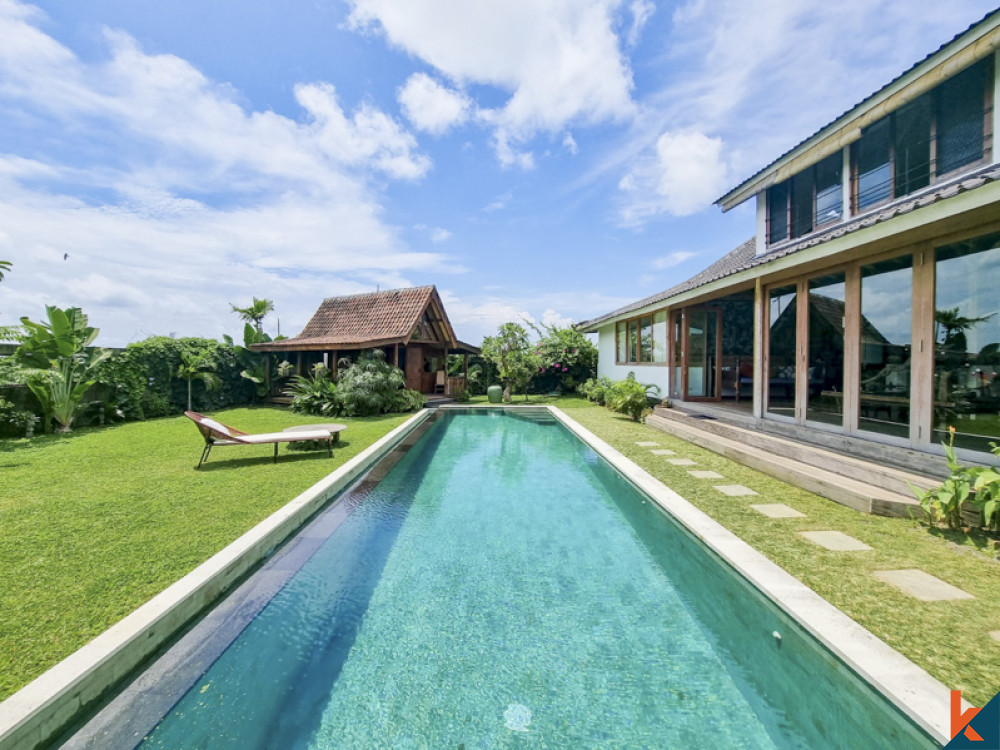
point(974, 727)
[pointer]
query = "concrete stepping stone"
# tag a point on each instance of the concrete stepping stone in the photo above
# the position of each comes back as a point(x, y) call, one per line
point(706, 474)
point(921, 585)
point(734, 490)
point(835, 540)
point(995, 635)
point(663, 452)
point(646, 443)
point(778, 510)
point(681, 462)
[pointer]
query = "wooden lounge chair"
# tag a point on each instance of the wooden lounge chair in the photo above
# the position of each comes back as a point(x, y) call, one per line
point(216, 433)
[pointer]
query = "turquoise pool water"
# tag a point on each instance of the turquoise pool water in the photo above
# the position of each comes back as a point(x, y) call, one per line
point(502, 586)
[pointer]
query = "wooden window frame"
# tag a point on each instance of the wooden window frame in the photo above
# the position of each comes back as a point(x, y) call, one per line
point(638, 347)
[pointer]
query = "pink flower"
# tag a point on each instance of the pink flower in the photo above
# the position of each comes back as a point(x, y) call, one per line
point(556, 365)
point(565, 369)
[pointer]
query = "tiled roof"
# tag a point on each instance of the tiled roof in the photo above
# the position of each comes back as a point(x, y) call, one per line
point(875, 93)
point(744, 258)
point(362, 320)
point(736, 260)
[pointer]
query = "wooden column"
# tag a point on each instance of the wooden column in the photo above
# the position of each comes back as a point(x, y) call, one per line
point(801, 350)
point(298, 363)
point(922, 351)
point(760, 356)
point(852, 346)
point(395, 355)
point(333, 364)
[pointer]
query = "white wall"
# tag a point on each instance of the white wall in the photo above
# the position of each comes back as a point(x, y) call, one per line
point(606, 366)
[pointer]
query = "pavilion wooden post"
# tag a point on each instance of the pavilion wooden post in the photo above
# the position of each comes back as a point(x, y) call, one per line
point(333, 365)
point(267, 375)
point(395, 355)
point(298, 364)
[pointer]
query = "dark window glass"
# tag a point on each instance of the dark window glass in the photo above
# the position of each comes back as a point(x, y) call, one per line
point(633, 335)
point(826, 349)
point(886, 311)
point(802, 203)
point(781, 351)
point(967, 343)
point(874, 172)
point(646, 339)
point(960, 118)
point(913, 147)
point(622, 349)
point(829, 196)
point(777, 212)
point(675, 379)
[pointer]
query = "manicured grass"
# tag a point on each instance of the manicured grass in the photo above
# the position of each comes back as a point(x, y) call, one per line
point(949, 639)
point(95, 523)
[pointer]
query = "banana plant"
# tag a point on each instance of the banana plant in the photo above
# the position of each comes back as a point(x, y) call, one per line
point(60, 361)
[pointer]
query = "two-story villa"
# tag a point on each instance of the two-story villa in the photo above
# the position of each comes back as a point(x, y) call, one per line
point(867, 305)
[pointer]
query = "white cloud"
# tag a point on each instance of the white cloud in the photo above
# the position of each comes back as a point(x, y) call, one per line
point(432, 107)
point(683, 176)
point(561, 62)
point(440, 235)
point(673, 259)
point(173, 199)
point(569, 143)
point(552, 318)
point(499, 203)
point(642, 11)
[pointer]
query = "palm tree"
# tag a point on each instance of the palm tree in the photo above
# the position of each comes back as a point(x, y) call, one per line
point(198, 366)
point(4, 267)
point(255, 313)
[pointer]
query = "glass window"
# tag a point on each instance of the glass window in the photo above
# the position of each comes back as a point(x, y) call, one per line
point(960, 118)
point(829, 195)
point(781, 351)
point(622, 349)
point(633, 336)
point(646, 339)
point(886, 325)
point(777, 212)
point(826, 349)
point(967, 343)
point(873, 165)
point(802, 203)
point(660, 336)
point(678, 334)
point(912, 142)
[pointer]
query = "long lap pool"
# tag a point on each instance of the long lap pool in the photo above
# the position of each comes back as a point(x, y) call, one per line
point(503, 586)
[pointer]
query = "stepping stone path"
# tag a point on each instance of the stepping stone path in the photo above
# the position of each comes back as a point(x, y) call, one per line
point(921, 585)
point(646, 443)
point(705, 474)
point(681, 462)
point(734, 490)
point(778, 510)
point(835, 540)
point(663, 452)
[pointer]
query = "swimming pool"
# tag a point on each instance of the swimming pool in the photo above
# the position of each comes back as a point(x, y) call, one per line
point(502, 584)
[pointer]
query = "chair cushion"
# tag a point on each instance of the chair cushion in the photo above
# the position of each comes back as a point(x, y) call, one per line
point(217, 426)
point(283, 437)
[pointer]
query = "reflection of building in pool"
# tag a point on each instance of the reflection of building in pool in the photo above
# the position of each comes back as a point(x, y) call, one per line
point(829, 320)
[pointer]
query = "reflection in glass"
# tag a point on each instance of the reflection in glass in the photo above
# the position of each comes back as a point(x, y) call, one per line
point(646, 339)
point(967, 343)
point(660, 336)
point(703, 327)
point(781, 351)
point(633, 335)
point(886, 311)
point(826, 349)
point(622, 350)
point(675, 379)
point(873, 165)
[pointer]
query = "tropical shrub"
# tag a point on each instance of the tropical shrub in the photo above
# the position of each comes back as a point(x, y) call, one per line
point(15, 422)
point(515, 360)
point(314, 394)
point(197, 366)
point(596, 391)
point(142, 378)
point(408, 400)
point(369, 386)
point(61, 363)
point(978, 486)
point(566, 358)
point(631, 397)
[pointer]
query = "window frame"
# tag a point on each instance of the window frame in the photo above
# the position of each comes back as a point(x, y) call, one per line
point(624, 324)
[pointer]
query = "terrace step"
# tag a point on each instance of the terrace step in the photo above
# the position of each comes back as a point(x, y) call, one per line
point(846, 480)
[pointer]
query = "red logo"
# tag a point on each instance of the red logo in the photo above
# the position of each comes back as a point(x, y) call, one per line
point(960, 721)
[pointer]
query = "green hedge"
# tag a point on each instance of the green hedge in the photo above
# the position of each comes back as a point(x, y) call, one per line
point(143, 382)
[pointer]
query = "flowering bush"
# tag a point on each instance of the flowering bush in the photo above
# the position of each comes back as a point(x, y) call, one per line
point(566, 358)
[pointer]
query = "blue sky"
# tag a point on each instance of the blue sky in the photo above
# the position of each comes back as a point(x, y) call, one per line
point(545, 159)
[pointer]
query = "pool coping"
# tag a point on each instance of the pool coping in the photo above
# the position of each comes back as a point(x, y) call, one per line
point(918, 695)
point(37, 713)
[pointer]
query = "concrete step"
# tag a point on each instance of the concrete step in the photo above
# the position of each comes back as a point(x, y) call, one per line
point(873, 472)
point(776, 461)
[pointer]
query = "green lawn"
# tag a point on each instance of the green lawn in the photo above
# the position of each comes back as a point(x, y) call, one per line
point(95, 523)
